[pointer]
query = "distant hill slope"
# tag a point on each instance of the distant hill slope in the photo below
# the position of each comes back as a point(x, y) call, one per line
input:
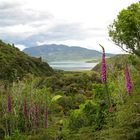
point(55, 52)
point(116, 62)
point(14, 63)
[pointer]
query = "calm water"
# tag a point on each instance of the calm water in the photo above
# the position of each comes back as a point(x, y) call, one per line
point(72, 65)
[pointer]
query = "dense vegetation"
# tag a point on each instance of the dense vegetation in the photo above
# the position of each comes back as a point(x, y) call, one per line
point(16, 64)
point(70, 105)
point(73, 105)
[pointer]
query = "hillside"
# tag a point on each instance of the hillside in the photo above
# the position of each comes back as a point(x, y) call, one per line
point(118, 62)
point(55, 52)
point(15, 63)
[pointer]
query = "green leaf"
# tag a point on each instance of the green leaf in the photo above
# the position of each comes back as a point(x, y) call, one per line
point(55, 98)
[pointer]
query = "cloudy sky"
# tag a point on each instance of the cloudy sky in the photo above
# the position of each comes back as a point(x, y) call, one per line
point(28, 23)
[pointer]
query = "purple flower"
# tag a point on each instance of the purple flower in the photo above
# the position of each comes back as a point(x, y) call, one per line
point(46, 118)
point(103, 66)
point(9, 104)
point(128, 83)
point(25, 109)
point(110, 109)
point(35, 115)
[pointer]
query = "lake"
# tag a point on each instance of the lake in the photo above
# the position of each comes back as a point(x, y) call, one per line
point(72, 65)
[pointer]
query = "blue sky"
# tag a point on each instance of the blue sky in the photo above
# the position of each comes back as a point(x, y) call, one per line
point(28, 23)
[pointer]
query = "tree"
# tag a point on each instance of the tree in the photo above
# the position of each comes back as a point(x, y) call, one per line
point(125, 30)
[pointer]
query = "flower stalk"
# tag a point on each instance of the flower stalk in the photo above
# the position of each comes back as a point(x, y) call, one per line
point(46, 118)
point(128, 82)
point(104, 78)
point(103, 67)
point(25, 109)
point(9, 104)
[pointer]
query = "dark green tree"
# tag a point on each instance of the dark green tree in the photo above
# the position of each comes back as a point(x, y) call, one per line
point(125, 30)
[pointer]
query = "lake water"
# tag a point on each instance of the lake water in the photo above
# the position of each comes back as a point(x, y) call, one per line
point(72, 65)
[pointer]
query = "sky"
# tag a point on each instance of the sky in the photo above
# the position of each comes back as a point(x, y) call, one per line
point(84, 23)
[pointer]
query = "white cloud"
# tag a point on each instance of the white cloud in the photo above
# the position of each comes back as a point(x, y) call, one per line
point(20, 46)
point(70, 22)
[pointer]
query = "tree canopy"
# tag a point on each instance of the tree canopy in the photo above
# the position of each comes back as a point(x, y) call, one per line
point(125, 30)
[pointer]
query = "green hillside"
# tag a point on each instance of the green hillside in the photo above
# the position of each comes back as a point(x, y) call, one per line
point(117, 62)
point(16, 64)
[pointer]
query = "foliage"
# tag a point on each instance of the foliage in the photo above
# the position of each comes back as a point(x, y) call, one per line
point(16, 64)
point(79, 112)
point(125, 30)
point(68, 105)
point(89, 114)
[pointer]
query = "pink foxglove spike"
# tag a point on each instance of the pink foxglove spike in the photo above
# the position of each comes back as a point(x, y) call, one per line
point(128, 82)
point(46, 118)
point(9, 103)
point(111, 109)
point(25, 108)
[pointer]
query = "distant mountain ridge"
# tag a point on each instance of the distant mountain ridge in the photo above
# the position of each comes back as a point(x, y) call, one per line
point(54, 52)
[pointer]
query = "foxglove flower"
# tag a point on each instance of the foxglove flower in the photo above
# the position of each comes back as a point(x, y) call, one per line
point(128, 83)
point(110, 109)
point(46, 118)
point(103, 67)
point(9, 104)
point(37, 110)
point(35, 114)
point(25, 109)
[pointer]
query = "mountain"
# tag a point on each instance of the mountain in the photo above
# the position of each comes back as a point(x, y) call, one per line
point(55, 52)
point(14, 63)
